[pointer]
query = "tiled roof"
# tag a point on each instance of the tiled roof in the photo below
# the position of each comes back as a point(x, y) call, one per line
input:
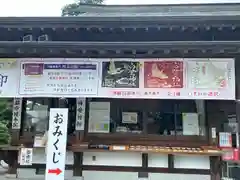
point(161, 10)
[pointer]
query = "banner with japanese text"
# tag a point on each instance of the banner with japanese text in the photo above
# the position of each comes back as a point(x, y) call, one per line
point(9, 77)
point(119, 78)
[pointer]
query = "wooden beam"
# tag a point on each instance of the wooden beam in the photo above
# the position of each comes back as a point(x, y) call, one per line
point(215, 168)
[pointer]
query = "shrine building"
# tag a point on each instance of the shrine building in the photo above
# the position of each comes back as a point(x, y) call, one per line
point(151, 90)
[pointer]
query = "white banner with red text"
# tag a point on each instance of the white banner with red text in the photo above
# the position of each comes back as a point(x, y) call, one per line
point(190, 78)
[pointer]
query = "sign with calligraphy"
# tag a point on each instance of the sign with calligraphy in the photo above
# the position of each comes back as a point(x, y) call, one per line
point(16, 113)
point(168, 79)
point(58, 78)
point(56, 145)
point(80, 114)
point(26, 155)
point(9, 76)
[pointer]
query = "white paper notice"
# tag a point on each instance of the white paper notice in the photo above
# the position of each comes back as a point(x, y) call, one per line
point(129, 117)
point(26, 155)
point(38, 141)
point(190, 124)
point(56, 78)
point(99, 117)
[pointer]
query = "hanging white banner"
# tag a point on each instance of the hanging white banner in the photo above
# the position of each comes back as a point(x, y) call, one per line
point(9, 77)
point(119, 78)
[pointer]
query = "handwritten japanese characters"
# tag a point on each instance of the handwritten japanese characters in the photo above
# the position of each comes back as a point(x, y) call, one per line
point(16, 113)
point(57, 133)
point(26, 155)
point(80, 114)
point(57, 139)
point(3, 80)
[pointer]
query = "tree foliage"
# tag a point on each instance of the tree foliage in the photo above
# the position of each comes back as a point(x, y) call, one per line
point(5, 120)
point(74, 9)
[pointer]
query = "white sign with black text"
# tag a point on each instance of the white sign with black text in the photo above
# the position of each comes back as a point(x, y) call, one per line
point(26, 155)
point(80, 114)
point(56, 145)
point(16, 113)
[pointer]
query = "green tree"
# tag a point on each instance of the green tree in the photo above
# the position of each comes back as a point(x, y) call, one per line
point(74, 9)
point(5, 120)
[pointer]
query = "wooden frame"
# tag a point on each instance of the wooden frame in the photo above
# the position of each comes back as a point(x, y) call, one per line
point(144, 138)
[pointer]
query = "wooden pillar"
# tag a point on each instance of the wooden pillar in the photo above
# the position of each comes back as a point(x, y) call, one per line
point(17, 115)
point(144, 174)
point(12, 163)
point(79, 133)
point(215, 167)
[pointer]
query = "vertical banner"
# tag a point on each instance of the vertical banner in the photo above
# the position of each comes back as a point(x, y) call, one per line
point(56, 145)
point(80, 114)
point(16, 113)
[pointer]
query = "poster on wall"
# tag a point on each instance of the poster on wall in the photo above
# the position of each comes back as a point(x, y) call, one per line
point(207, 74)
point(58, 78)
point(99, 117)
point(190, 124)
point(174, 78)
point(225, 140)
point(130, 117)
point(163, 74)
point(120, 74)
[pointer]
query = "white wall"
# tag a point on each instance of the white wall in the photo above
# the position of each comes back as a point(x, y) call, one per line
point(158, 160)
point(130, 159)
point(159, 176)
point(192, 162)
point(108, 175)
point(39, 156)
point(126, 159)
point(30, 174)
point(112, 158)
